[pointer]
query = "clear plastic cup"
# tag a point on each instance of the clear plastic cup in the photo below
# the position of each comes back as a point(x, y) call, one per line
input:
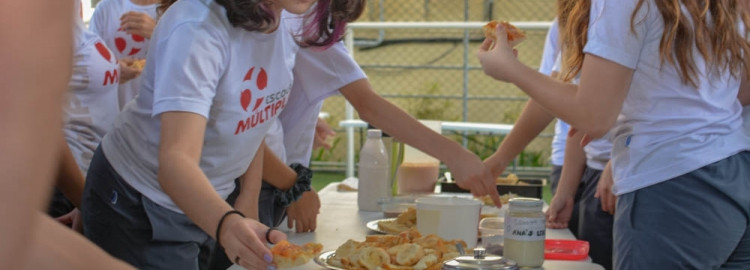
point(492, 230)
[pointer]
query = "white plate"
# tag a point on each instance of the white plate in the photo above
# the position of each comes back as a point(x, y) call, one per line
point(322, 260)
point(373, 225)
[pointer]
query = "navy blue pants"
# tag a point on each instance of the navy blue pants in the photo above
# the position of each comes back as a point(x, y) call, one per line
point(594, 225)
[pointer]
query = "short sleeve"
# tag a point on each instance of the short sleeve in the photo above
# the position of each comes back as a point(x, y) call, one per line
point(551, 50)
point(610, 35)
point(189, 64)
point(96, 22)
point(557, 66)
point(324, 72)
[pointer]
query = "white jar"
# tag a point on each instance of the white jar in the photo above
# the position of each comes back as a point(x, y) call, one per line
point(374, 173)
point(525, 228)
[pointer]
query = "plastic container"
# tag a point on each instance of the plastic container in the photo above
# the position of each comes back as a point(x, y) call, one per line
point(418, 172)
point(525, 227)
point(449, 218)
point(392, 207)
point(567, 250)
point(374, 173)
point(492, 230)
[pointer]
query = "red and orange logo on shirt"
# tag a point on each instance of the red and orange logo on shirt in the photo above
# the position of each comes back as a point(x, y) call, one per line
point(261, 82)
point(127, 44)
point(110, 76)
point(258, 78)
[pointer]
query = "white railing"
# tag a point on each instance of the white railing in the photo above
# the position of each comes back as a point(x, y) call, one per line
point(350, 122)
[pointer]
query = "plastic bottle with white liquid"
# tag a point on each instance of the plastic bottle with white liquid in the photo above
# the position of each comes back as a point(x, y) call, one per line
point(374, 172)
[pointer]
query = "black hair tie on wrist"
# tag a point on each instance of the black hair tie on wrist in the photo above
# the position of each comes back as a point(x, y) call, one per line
point(302, 184)
point(221, 221)
point(268, 235)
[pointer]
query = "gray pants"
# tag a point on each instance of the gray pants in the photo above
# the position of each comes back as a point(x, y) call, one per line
point(134, 229)
point(698, 220)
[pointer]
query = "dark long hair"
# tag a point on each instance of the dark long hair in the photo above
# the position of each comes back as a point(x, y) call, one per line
point(323, 26)
point(327, 22)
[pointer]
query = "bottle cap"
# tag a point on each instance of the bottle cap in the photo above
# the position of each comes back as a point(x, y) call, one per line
point(374, 133)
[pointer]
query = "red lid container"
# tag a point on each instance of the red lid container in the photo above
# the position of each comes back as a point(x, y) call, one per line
point(568, 250)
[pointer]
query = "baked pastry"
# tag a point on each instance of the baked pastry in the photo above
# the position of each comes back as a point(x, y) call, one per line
point(138, 64)
point(288, 255)
point(515, 35)
point(406, 251)
point(373, 258)
point(404, 222)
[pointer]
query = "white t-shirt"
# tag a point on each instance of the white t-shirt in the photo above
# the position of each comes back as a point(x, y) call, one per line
point(105, 22)
point(275, 140)
point(549, 58)
point(319, 74)
point(238, 80)
point(666, 128)
point(746, 119)
point(92, 95)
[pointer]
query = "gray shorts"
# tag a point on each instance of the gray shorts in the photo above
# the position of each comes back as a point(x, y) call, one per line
point(698, 220)
point(134, 229)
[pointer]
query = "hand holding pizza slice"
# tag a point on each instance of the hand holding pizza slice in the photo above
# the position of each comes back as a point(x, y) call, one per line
point(288, 255)
point(514, 34)
point(497, 56)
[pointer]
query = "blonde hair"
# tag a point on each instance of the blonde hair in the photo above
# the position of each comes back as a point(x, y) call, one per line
point(711, 26)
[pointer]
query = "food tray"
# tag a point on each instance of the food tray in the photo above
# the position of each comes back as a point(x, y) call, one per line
point(531, 188)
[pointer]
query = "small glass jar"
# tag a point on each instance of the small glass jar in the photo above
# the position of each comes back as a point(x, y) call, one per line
point(525, 228)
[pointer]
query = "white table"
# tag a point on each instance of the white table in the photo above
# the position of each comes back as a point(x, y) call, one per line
point(340, 220)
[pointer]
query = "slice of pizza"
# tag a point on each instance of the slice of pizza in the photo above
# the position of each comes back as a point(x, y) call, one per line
point(515, 35)
point(288, 255)
point(138, 64)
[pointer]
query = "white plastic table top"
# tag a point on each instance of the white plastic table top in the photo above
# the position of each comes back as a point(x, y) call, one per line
point(340, 220)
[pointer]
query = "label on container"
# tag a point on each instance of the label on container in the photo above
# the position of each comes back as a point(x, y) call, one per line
point(524, 228)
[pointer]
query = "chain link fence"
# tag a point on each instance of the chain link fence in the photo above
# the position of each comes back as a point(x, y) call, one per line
point(434, 74)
